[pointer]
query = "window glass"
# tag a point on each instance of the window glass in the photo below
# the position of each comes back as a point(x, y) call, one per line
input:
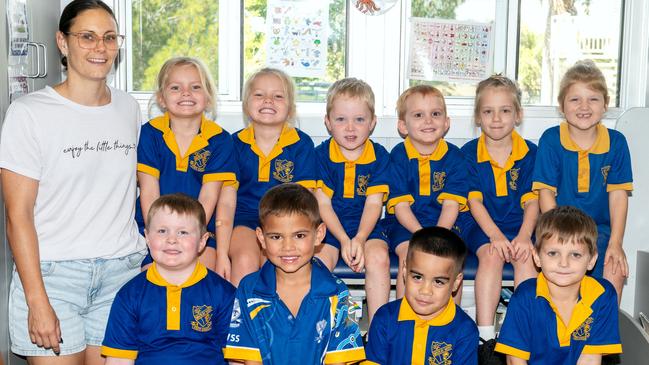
point(255, 37)
point(482, 11)
point(554, 34)
point(162, 29)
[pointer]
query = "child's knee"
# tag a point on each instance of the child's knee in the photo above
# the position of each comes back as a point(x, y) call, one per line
point(377, 258)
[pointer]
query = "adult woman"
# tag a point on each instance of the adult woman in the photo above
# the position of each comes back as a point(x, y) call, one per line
point(68, 163)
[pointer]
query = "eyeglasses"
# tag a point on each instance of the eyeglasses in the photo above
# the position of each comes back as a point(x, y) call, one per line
point(88, 40)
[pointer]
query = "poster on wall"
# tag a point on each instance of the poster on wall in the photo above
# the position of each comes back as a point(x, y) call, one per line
point(296, 39)
point(18, 27)
point(446, 50)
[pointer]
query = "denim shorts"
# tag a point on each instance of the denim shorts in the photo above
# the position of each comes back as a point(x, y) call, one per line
point(81, 293)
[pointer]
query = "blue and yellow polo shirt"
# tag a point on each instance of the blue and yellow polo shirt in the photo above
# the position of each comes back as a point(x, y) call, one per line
point(534, 331)
point(155, 322)
point(210, 157)
point(263, 329)
point(503, 190)
point(426, 181)
point(583, 178)
point(398, 336)
point(348, 183)
point(291, 160)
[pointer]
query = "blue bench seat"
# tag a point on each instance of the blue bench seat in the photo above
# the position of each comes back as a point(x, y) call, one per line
point(470, 268)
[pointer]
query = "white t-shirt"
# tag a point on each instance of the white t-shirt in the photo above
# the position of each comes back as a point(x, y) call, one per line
point(85, 161)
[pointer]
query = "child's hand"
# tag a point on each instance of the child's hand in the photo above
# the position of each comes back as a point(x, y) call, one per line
point(615, 256)
point(522, 247)
point(502, 246)
point(350, 251)
point(223, 266)
point(44, 327)
point(358, 253)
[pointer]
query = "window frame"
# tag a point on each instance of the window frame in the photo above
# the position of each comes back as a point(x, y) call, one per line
point(381, 33)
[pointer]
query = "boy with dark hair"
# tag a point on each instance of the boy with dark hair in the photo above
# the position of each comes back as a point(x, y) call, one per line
point(293, 309)
point(563, 317)
point(177, 311)
point(426, 326)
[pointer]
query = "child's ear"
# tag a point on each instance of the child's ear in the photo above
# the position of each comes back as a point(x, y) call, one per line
point(519, 117)
point(402, 128)
point(320, 233)
point(203, 243)
point(537, 259)
point(447, 124)
point(327, 123)
point(260, 236)
point(160, 100)
point(592, 262)
point(458, 281)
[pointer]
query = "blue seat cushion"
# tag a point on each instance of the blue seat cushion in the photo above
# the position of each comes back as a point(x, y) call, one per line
point(470, 268)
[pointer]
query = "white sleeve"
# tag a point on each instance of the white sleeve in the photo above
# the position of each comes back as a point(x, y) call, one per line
point(20, 149)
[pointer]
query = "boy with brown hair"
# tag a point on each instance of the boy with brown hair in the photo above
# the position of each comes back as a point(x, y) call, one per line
point(293, 307)
point(177, 311)
point(563, 316)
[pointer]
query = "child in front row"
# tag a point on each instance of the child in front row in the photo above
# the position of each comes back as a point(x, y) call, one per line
point(501, 198)
point(426, 326)
point(584, 164)
point(176, 312)
point(563, 317)
point(270, 151)
point(293, 310)
point(352, 187)
point(429, 177)
point(184, 152)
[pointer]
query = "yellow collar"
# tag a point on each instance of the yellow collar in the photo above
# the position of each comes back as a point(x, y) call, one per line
point(602, 142)
point(440, 151)
point(407, 314)
point(153, 275)
point(589, 290)
point(287, 137)
point(208, 128)
point(336, 155)
point(519, 150)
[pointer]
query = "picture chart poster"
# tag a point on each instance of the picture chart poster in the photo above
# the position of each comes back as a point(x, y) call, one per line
point(296, 39)
point(443, 50)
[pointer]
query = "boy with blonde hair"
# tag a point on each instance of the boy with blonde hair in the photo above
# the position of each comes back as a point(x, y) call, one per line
point(563, 317)
point(428, 181)
point(352, 186)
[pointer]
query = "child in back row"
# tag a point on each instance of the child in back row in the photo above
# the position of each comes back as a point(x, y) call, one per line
point(428, 185)
point(352, 187)
point(563, 317)
point(184, 152)
point(426, 326)
point(177, 312)
point(500, 198)
point(293, 310)
point(270, 151)
point(584, 164)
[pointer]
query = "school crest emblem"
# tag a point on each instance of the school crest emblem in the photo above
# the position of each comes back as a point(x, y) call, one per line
point(605, 171)
point(198, 160)
point(583, 332)
point(283, 171)
point(439, 178)
point(361, 185)
point(513, 178)
point(202, 318)
point(440, 353)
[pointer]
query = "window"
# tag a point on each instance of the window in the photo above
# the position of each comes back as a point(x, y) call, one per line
point(534, 41)
point(555, 34)
point(161, 29)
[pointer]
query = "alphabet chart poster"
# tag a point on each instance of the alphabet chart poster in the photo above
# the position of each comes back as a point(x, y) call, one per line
point(296, 39)
point(443, 50)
